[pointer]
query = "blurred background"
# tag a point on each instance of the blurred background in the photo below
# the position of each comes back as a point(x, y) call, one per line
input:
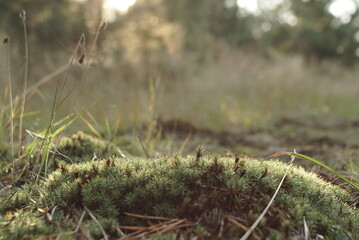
point(274, 70)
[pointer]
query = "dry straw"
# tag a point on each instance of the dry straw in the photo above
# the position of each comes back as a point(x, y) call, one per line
point(24, 87)
point(7, 43)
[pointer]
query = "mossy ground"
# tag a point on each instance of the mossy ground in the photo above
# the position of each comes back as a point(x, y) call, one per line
point(208, 197)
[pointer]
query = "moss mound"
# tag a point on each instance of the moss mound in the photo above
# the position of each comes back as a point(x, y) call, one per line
point(207, 197)
point(81, 147)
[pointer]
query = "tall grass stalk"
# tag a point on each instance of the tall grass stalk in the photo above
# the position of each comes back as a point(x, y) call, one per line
point(46, 142)
point(7, 43)
point(100, 28)
point(81, 43)
point(152, 132)
point(24, 87)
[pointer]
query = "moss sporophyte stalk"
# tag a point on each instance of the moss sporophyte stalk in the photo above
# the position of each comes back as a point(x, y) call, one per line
point(196, 196)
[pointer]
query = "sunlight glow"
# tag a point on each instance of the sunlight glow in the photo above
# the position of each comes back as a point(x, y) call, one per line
point(119, 5)
point(249, 5)
point(342, 9)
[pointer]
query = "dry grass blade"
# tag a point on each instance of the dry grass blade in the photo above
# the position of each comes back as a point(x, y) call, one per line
point(147, 217)
point(141, 230)
point(306, 230)
point(4, 224)
point(158, 229)
point(98, 224)
point(89, 125)
point(7, 42)
point(132, 228)
point(185, 142)
point(143, 147)
point(238, 224)
point(155, 229)
point(241, 226)
point(255, 224)
point(24, 87)
point(85, 234)
point(171, 227)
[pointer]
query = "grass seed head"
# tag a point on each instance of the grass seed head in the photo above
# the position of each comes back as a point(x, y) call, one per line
point(200, 151)
point(103, 26)
point(6, 40)
point(81, 59)
point(22, 15)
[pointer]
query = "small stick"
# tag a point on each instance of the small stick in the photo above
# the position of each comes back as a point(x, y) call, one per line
point(148, 217)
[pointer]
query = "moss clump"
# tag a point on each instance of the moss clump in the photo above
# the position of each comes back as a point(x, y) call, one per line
point(81, 147)
point(207, 191)
point(25, 224)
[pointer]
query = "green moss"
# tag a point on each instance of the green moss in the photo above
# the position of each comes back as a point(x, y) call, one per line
point(5, 159)
point(81, 147)
point(25, 224)
point(203, 191)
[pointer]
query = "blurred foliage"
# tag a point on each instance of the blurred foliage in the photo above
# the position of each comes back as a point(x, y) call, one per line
point(161, 29)
point(296, 26)
point(48, 21)
point(317, 34)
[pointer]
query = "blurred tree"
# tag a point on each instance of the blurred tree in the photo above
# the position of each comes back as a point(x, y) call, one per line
point(195, 17)
point(48, 21)
point(156, 29)
point(307, 27)
point(319, 34)
point(145, 38)
point(297, 26)
point(206, 23)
